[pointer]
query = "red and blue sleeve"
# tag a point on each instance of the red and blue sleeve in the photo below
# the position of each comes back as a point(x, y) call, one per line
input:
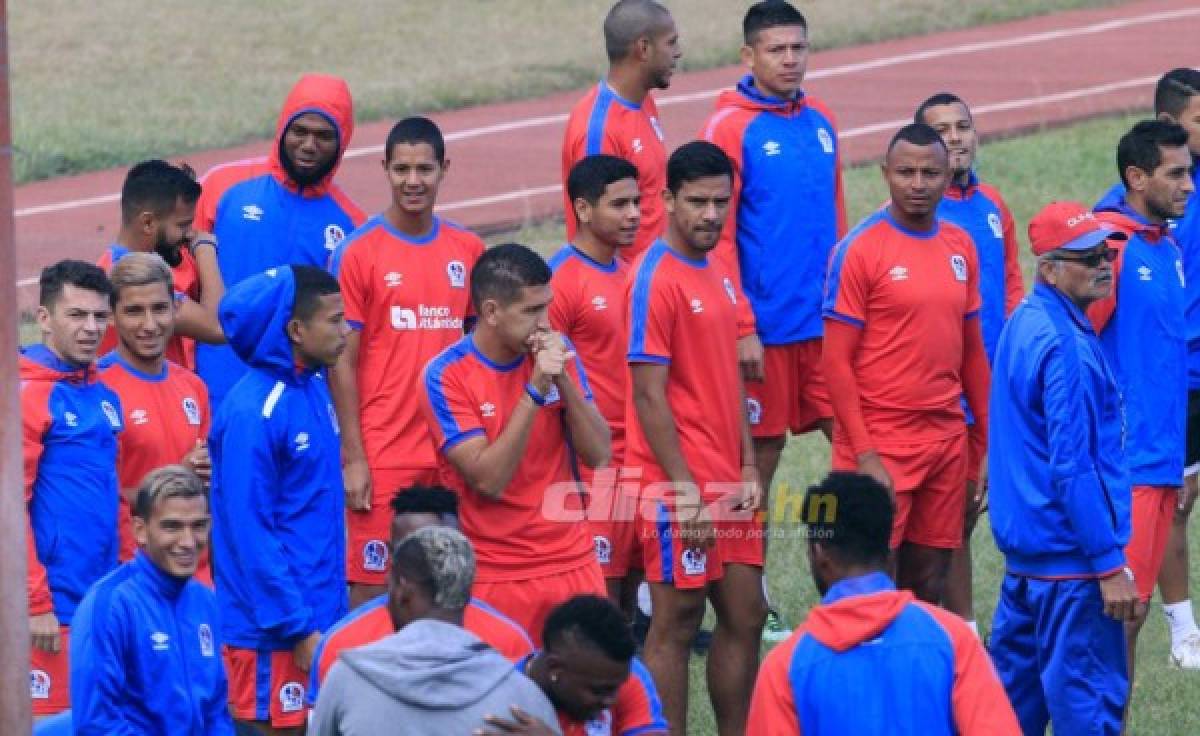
point(651, 315)
point(638, 710)
point(773, 706)
point(980, 705)
point(449, 410)
point(1014, 280)
point(839, 192)
point(35, 422)
point(348, 268)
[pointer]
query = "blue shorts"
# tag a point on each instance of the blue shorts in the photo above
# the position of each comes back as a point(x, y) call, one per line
point(1062, 661)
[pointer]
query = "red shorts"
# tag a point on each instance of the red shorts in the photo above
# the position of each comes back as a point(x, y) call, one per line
point(529, 602)
point(612, 509)
point(792, 395)
point(50, 677)
point(739, 540)
point(1153, 514)
point(368, 533)
point(931, 488)
point(265, 686)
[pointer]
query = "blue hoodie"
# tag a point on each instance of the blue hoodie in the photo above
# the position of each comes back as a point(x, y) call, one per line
point(1060, 497)
point(69, 427)
point(278, 509)
point(1144, 333)
point(146, 656)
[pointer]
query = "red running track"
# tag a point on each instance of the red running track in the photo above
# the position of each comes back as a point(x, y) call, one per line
point(1017, 76)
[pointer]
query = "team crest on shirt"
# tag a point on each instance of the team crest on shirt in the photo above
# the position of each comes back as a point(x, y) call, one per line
point(1179, 270)
point(753, 411)
point(601, 725)
point(603, 549)
point(959, 264)
point(729, 290)
point(191, 410)
point(39, 684)
point(334, 234)
point(457, 273)
point(206, 641)
point(825, 139)
point(695, 562)
point(658, 131)
point(375, 556)
point(994, 224)
point(111, 413)
point(291, 697)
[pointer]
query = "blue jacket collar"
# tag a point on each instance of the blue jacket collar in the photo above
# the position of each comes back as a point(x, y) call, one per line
point(748, 89)
point(874, 582)
point(1052, 298)
point(168, 586)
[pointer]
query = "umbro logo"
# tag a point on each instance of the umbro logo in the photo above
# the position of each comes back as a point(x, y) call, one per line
point(71, 419)
point(697, 306)
point(252, 212)
point(301, 441)
point(1145, 274)
point(772, 148)
point(139, 416)
point(599, 303)
point(488, 409)
point(899, 273)
point(637, 145)
point(393, 279)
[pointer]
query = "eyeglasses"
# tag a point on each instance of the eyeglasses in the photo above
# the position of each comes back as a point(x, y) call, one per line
point(1091, 260)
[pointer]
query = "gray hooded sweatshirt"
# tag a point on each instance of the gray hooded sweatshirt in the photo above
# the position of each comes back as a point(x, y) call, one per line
point(428, 678)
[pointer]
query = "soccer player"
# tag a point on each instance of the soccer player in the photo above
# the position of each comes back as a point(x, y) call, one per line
point(619, 117)
point(788, 212)
point(588, 308)
point(1177, 100)
point(870, 659)
point(588, 670)
point(431, 676)
point(281, 209)
point(415, 508)
point(166, 407)
point(158, 207)
point(1142, 327)
point(501, 403)
point(1060, 493)
point(278, 504)
point(687, 430)
point(902, 347)
point(404, 280)
point(979, 209)
point(69, 428)
point(147, 654)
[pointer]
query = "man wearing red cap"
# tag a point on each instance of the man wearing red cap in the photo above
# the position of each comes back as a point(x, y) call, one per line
point(1060, 495)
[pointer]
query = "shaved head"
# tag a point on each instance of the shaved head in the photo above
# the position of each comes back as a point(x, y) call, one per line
point(630, 20)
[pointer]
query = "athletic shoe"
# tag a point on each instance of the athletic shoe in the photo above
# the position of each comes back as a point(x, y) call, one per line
point(1186, 656)
point(774, 630)
point(701, 642)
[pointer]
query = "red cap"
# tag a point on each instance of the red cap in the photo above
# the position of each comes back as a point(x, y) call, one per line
point(1068, 226)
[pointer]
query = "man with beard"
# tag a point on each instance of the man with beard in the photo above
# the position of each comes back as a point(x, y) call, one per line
point(69, 428)
point(619, 117)
point(870, 659)
point(902, 347)
point(404, 278)
point(1143, 330)
point(979, 209)
point(281, 209)
point(166, 407)
point(158, 208)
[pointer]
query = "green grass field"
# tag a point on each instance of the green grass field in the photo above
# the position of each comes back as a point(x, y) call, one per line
point(104, 84)
point(1076, 162)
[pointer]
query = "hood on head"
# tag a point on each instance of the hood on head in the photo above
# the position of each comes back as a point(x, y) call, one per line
point(324, 94)
point(254, 315)
point(431, 665)
point(852, 620)
point(1114, 209)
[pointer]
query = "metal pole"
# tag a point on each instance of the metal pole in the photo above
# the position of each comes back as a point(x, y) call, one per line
point(14, 611)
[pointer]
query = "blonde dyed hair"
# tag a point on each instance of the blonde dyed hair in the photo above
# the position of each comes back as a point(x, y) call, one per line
point(140, 269)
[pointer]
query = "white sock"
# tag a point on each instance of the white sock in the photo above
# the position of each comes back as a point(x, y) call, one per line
point(1180, 619)
point(766, 593)
point(643, 599)
point(974, 627)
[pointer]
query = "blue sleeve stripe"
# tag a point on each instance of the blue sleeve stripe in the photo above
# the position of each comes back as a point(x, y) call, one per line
point(641, 300)
point(558, 259)
point(437, 396)
point(829, 313)
point(499, 616)
point(666, 555)
point(460, 438)
point(583, 379)
point(647, 358)
point(638, 670)
point(355, 324)
point(262, 687)
point(595, 129)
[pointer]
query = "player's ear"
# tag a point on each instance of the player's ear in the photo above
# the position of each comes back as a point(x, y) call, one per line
point(295, 330)
point(139, 530)
point(747, 55)
point(1135, 178)
point(668, 200)
point(583, 210)
point(147, 222)
point(445, 166)
point(1167, 117)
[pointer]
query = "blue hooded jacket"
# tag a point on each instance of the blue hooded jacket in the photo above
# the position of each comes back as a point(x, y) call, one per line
point(1143, 331)
point(146, 657)
point(278, 508)
point(1060, 496)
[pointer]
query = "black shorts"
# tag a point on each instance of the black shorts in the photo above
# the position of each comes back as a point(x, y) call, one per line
point(1192, 455)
